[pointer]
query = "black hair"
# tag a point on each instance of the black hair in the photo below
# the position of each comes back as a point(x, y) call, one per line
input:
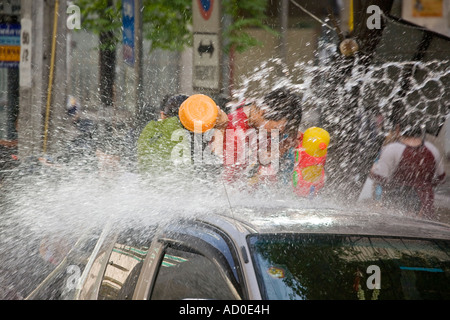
point(282, 104)
point(172, 105)
point(164, 101)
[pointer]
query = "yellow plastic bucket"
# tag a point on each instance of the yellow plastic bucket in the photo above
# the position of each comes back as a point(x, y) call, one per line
point(315, 141)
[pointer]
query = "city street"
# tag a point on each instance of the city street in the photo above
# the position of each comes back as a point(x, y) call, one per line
point(208, 150)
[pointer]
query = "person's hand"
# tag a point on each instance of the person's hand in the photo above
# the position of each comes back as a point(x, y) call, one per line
point(289, 142)
point(222, 120)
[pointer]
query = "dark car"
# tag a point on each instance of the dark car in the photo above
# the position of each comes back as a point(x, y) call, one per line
point(272, 253)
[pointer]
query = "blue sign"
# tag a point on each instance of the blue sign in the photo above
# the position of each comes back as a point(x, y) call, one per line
point(206, 7)
point(128, 31)
point(9, 45)
point(206, 4)
point(9, 34)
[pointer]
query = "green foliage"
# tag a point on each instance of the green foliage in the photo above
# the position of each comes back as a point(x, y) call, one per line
point(245, 14)
point(167, 22)
point(102, 16)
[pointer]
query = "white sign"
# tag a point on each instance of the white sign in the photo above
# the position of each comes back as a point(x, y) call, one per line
point(433, 15)
point(25, 53)
point(206, 73)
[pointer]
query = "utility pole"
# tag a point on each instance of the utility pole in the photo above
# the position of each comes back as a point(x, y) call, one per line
point(138, 55)
point(42, 76)
point(32, 86)
point(57, 98)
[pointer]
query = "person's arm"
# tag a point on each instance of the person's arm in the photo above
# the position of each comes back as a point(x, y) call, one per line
point(146, 138)
point(439, 179)
point(389, 159)
point(439, 176)
point(291, 141)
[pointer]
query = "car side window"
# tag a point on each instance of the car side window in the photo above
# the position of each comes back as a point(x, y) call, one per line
point(125, 264)
point(122, 272)
point(188, 275)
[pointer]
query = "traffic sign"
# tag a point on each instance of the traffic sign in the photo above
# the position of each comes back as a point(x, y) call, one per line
point(206, 16)
point(206, 73)
point(206, 45)
point(206, 8)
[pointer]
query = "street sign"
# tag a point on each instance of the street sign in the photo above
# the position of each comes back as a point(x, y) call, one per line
point(128, 31)
point(207, 47)
point(433, 15)
point(9, 53)
point(206, 15)
point(9, 45)
point(206, 8)
point(206, 73)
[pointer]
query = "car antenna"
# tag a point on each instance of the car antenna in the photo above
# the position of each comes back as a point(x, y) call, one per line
point(228, 199)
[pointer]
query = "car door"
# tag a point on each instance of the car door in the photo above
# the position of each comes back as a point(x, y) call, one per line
point(196, 263)
point(117, 266)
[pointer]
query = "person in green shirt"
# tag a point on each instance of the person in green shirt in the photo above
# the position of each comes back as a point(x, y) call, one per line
point(164, 145)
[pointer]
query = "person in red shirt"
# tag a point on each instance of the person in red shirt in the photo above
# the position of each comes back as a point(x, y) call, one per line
point(408, 170)
point(256, 135)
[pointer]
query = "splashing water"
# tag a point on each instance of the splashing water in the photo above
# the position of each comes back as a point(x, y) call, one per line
point(66, 204)
point(421, 86)
point(44, 214)
point(354, 103)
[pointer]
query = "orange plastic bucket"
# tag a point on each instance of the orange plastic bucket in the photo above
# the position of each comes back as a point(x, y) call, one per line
point(198, 113)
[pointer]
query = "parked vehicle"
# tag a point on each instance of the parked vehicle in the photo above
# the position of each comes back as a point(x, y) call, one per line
point(272, 254)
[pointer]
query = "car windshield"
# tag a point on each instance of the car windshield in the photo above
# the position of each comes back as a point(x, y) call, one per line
point(298, 267)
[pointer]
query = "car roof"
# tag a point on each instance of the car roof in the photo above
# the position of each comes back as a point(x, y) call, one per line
point(326, 221)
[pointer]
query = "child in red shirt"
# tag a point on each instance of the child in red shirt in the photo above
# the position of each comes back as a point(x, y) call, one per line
point(256, 136)
point(408, 170)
